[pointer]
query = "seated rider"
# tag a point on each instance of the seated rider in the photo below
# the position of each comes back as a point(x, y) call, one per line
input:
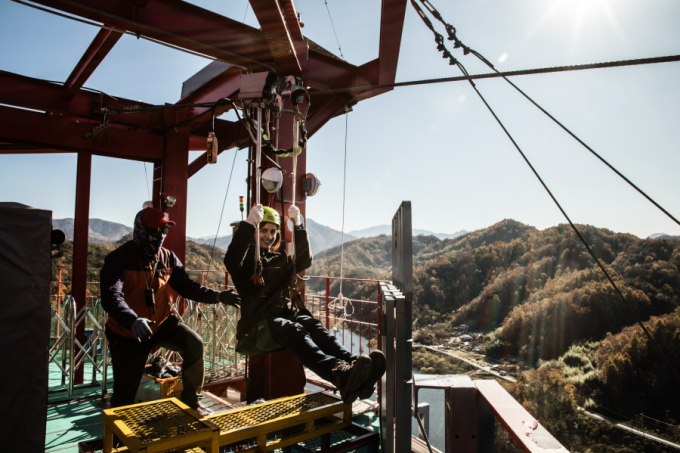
point(271, 319)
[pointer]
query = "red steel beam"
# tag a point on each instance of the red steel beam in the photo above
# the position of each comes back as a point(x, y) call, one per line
point(190, 27)
point(36, 94)
point(81, 226)
point(274, 25)
point(225, 85)
point(529, 435)
point(331, 107)
point(93, 56)
point(391, 28)
point(36, 129)
point(174, 183)
point(178, 23)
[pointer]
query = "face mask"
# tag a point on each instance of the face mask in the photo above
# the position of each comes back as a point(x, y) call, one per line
point(150, 240)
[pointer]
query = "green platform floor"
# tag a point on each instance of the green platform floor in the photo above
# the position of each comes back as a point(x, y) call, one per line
point(77, 418)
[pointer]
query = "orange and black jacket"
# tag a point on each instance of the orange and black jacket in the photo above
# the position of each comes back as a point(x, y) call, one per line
point(127, 272)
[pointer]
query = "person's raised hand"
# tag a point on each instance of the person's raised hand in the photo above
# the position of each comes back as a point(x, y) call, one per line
point(255, 215)
point(229, 297)
point(294, 214)
point(141, 330)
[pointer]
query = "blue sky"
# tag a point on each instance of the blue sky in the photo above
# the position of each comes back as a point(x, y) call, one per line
point(435, 145)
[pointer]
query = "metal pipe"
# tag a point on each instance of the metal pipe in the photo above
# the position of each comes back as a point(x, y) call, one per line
point(258, 177)
point(72, 346)
point(328, 302)
point(105, 360)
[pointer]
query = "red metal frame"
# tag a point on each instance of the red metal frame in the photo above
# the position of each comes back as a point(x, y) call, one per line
point(68, 118)
point(81, 226)
point(95, 54)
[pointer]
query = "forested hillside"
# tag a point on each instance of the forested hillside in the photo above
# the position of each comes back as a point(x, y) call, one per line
point(537, 291)
point(538, 296)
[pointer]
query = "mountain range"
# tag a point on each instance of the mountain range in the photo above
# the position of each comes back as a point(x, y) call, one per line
point(387, 230)
point(100, 230)
point(321, 237)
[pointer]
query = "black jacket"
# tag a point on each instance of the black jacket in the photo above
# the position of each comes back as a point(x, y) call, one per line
point(261, 302)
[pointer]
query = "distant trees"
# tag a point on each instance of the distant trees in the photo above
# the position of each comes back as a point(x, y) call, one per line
point(639, 376)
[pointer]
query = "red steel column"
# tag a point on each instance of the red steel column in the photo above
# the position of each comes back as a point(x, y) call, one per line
point(81, 225)
point(174, 184)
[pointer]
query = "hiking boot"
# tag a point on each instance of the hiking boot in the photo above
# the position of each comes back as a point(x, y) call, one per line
point(378, 366)
point(348, 379)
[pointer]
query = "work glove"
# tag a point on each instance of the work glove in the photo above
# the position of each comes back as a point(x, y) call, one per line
point(255, 215)
point(294, 214)
point(141, 330)
point(228, 297)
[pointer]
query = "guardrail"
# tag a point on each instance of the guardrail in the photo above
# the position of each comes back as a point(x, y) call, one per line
point(355, 322)
point(351, 320)
point(68, 353)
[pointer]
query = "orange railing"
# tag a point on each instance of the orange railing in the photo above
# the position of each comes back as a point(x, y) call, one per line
point(351, 320)
point(360, 322)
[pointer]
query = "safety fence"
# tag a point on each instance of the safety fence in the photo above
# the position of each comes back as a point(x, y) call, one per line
point(355, 322)
point(68, 354)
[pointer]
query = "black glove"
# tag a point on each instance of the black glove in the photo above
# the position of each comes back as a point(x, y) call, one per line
point(141, 330)
point(228, 297)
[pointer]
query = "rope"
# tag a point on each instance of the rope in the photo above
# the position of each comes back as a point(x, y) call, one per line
point(222, 213)
point(657, 349)
point(246, 12)
point(257, 275)
point(334, 32)
point(342, 300)
point(146, 179)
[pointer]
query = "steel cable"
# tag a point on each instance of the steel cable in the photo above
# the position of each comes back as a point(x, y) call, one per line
point(655, 346)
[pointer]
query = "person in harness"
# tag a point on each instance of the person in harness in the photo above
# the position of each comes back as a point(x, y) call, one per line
point(273, 315)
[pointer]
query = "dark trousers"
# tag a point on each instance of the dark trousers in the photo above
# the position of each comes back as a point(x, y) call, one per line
point(128, 358)
point(311, 342)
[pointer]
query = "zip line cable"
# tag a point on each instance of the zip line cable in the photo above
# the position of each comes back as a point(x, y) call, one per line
point(493, 75)
point(656, 347)
point(334, 32)
point(146, 180)
point(246, 12)
point(451, 30)
point(342, 300)
point(222, 212)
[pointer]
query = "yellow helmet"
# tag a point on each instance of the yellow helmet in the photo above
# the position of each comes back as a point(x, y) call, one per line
point(271, 216)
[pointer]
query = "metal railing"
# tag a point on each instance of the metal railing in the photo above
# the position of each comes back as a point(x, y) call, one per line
point(68, 354)
point(216, 325)
point(355, 322)
point(351, 320)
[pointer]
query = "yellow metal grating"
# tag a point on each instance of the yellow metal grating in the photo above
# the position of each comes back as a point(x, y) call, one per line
point(158, 421)
point(255, 415)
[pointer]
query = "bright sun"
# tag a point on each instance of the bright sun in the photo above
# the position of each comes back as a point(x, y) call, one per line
point(584, 9)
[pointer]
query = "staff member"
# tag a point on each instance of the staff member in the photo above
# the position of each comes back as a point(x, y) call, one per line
point(139, 280)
